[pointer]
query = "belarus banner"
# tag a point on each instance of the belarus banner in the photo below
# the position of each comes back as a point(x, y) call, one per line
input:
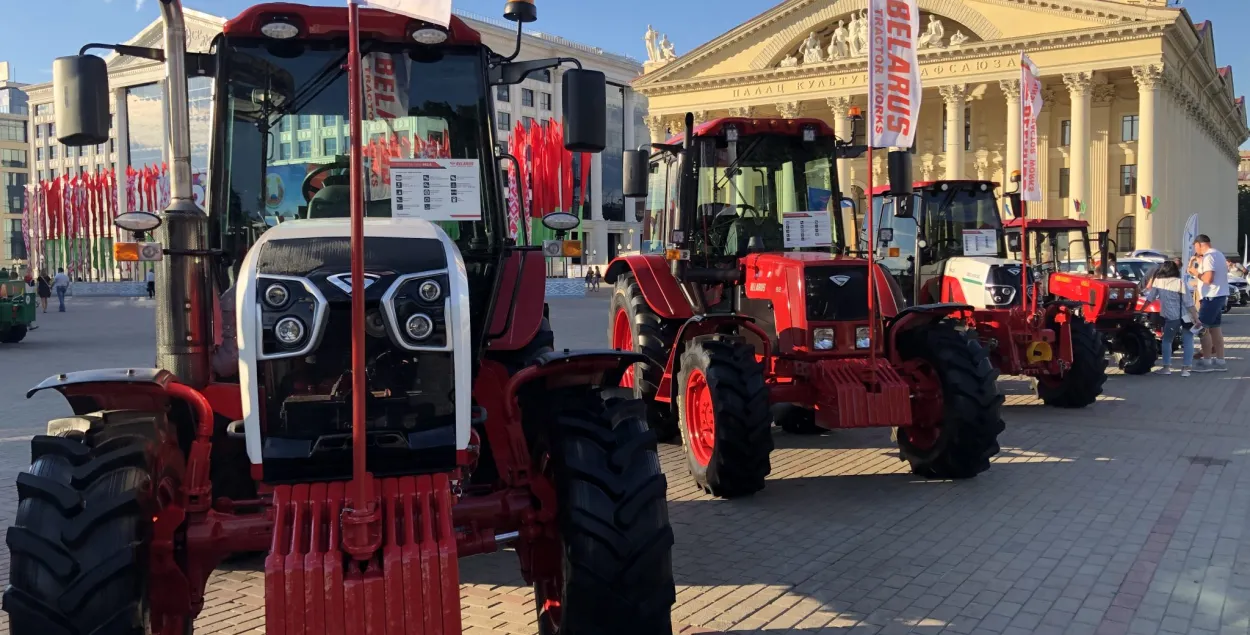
point(1030, 106)
point(893, 74)
point(435, 11)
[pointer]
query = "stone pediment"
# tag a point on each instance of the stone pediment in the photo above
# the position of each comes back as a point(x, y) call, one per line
point(202, 28)
point(803, 32)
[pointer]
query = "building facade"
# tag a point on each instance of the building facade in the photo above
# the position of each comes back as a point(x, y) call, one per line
point(1137, 113)
point(140, 122)
point(14, 168)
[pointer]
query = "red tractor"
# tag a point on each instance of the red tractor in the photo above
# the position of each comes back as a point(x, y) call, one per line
point(751, 307)
point(945, 243)
point(1063, 254)
point(385, 399)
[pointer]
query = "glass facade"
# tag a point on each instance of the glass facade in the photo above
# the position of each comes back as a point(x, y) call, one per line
point(613, 157)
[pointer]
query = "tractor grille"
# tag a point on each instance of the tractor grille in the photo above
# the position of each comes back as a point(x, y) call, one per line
point(836, 294)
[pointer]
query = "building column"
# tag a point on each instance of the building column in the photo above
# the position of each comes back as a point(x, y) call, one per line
point(1011, 90)
point(121, 137)
point(1148, 85)
point(658, 127)
point(955, 97)
point(557, 95)
point(1078, 171)
point(627, 108)
point(842, 128)
point(1102, 131)
point(789, 109)
point(1044, 135)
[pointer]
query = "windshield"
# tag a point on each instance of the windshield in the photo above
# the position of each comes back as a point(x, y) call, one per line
point(1054, 250)
point(746, 188)
point(283, 152)
point(957, 222)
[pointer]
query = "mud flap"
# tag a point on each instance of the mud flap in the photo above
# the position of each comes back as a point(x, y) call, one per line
point(410, 587)
point(860, 396)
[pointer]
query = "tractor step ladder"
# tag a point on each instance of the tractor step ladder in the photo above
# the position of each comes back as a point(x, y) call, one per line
point(410, 587)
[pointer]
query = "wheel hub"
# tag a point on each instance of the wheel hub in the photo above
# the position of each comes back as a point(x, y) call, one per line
point(623, 340)
point(700, 417)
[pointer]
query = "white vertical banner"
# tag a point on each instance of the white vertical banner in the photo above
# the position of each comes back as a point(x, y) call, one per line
point(1030, 107)
point(433, 11)
point(893, 73)
point(1191, 232)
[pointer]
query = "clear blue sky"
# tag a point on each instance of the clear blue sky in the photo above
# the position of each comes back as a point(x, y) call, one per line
point(617, 27)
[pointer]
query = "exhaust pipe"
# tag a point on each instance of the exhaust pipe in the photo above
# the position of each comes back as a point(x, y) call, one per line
point(184, 326)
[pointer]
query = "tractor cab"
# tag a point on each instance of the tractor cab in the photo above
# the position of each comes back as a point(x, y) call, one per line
point(944, 243)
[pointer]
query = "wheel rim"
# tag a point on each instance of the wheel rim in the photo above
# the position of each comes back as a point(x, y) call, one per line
point(623, 340)
point(928, 406)
point(700, 417)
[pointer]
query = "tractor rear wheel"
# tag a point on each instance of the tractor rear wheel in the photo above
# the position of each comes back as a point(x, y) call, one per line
point(634, 326)
point(13, 334)
point(1081, 385)
point(722, 404)
point(78, 549)
point(1137, 348)
point(967, 436)
point(617, 542)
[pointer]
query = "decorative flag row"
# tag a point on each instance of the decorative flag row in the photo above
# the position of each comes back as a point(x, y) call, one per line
point(545, 177)
point(68, 221)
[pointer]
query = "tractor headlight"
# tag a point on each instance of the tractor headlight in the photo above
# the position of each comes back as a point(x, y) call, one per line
point(1115, 294)
point(822, 339)
point(289, 331)
point(429, 291)
point(419, 326)
point(277, 295)
point(863, 337)
point(999, 294)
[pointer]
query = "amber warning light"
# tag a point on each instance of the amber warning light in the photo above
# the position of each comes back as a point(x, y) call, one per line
point(137, 252)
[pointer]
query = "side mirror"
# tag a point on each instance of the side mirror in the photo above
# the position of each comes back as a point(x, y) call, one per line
point(585, 110)
point(906, 207)
point(1013, 242)
point(80, 91)
point(1013, 204)
point(635, 173)
point(898, 164)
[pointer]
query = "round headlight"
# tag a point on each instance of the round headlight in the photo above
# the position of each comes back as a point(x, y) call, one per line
point(277, 295)
point(289, 330)
point(429, 35)
point(419, 326)
point(429, 291)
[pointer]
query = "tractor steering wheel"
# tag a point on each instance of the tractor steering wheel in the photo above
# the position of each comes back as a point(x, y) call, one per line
point(307, 188)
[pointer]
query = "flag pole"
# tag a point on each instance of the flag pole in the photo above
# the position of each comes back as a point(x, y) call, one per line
point(872, 267)
point(363, 506)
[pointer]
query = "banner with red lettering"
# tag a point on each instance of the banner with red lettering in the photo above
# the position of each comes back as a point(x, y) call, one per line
point(1030, 106)
point(893, 73)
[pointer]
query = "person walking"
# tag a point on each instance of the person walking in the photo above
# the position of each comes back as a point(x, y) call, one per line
point(1176, 307)
point(44, 285)
point(32, 292)
point(1213, 274)
point(590, 278)
point(598, 277)
point(60, 282)
point(151, 278)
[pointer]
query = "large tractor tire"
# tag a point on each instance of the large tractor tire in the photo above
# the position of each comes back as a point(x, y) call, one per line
point(1138, 349)
point(13, 334)
point(613, 517)
point(78, 548)
point(725, 420)
point(967, 436)
point(1081, 385)
point(633, 325)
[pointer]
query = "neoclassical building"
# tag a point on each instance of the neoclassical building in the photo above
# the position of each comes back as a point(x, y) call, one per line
point(1136, 104)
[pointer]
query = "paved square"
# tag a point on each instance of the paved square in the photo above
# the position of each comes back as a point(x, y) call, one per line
point(1126, 517)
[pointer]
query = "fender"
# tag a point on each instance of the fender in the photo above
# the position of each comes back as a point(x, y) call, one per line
point(659, 287)
point(593, 368)
point(917, 316)
point(705, 325)
point(519, 303)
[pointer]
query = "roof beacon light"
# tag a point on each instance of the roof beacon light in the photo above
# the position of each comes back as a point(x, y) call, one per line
point(731, 134)
point(429, 35)
point(854, 112)
point(280, 29)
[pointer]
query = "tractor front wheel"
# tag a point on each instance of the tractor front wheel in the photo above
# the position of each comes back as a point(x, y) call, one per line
point(634, 326)
point(967, 436)
point(1137, 348)
point(13, 334)
point(617, 542)
point(78, 549)
point(725, 421)
point(1081, 385)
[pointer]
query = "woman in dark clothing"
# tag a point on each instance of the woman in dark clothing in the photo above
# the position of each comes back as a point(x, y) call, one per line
point(45, 290)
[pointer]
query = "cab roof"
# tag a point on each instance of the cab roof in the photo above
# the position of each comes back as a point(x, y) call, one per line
point(926, 185)
point(1043, 224)
point(756, 125)
point(331, 22)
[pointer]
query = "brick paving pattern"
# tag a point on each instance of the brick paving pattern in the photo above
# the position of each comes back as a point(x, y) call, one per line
point(1125, 517)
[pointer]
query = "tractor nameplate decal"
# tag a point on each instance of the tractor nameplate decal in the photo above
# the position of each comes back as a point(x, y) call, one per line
point(344, 281)
point(840, 280)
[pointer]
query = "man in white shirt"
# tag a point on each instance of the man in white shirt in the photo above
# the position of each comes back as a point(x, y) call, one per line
point(151, 280)
point(1212, 270)
point(60, 282)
